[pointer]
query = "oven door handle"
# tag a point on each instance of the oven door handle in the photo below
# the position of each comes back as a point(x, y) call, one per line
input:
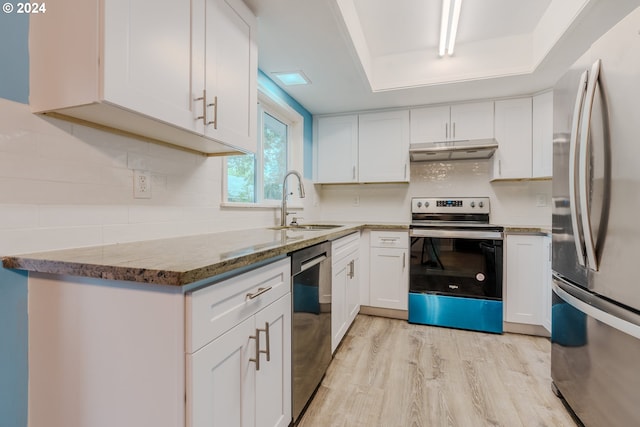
point(457, 234)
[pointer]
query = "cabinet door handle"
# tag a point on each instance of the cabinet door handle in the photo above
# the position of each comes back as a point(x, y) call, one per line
point(352, 269)
point(354, 172)
point(214, 104)
point(446, 131)
point(266, 333)
point(257, 358)
point(454, 130)
point(259, 292)
point(405, 171)
point(203, 98)
point(404, 259)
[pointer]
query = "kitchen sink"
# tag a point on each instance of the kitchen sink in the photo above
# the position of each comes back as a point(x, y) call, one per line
point(306, 227)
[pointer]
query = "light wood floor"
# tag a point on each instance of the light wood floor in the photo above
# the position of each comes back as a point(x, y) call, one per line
point(391, 373)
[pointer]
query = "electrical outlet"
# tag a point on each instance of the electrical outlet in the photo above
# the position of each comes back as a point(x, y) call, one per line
point(141, 184)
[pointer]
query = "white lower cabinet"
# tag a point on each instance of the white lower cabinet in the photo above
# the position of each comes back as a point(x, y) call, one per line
point(345, 285)
point(223, 380)
point(241, 377)
point(127, 354)
point(528, 280)
point(389, 270)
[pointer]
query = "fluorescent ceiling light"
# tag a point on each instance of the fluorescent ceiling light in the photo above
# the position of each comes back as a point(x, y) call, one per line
point(444, 26)
point(449, 26)
point(292, 78)
point(454, 26)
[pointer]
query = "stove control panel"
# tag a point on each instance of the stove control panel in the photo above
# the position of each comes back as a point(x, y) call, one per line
point(452, 205)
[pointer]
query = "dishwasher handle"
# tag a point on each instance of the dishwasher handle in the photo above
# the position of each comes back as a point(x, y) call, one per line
point(305, 265)
point(309, 257)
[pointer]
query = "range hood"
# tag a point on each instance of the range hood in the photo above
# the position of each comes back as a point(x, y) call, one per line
point(454, 150)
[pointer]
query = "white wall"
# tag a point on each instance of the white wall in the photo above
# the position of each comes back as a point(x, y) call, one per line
point(512, 203)
point(65, 185)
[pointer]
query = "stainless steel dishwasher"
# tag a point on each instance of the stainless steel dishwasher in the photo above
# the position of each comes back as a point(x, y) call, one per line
point(311, 322)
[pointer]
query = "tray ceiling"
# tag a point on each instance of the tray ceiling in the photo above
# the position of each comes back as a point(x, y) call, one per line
point(370, 54)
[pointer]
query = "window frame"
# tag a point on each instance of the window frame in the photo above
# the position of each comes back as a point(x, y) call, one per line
point(279, 109)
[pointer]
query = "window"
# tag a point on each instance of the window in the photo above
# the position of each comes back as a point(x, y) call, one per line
point(256, 180)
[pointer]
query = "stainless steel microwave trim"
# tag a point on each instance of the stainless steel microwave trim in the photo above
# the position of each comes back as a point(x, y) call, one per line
point(456, 234)
point(455, 150)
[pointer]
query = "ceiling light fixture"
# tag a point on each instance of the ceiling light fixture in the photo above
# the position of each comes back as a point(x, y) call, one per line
point(292, 78)
point(449, 26)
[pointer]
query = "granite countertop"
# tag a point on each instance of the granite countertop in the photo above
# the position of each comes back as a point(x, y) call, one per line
point(180, 261)
point(519, 229)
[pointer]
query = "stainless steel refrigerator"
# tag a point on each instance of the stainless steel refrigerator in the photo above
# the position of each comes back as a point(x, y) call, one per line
point(595, 352)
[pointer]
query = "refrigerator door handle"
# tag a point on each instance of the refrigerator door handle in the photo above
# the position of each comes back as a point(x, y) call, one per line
point(573, 158)
point(597, 308)
point(583, 168)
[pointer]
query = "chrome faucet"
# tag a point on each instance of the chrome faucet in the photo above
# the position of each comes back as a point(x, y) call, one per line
point(284, 213)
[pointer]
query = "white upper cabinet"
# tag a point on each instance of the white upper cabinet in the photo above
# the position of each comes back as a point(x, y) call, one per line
point(472, 121)
point(383, 148)
point(371, 147)
point(142, 67)
point(337, 149)
point(457, 122)
point(542, 149)
point(430, 124)
point(230, 73)
point(512, 160)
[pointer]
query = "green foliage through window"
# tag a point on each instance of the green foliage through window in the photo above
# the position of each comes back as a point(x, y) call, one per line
point(244, 185)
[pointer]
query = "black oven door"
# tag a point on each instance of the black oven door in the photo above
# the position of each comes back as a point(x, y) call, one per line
point(462, 263)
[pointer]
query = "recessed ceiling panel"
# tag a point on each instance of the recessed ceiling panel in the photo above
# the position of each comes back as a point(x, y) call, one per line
point(491, 19)
point(399, 26)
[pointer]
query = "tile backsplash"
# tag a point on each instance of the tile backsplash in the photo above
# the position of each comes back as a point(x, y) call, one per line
point(512, 202)
point(65, 185)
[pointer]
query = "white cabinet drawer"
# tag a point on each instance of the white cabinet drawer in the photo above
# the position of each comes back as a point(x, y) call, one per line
point(389, 239)
point(344, 246)
point(213, 310)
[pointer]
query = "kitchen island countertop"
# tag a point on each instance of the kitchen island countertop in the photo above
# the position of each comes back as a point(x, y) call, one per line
point(184, 260)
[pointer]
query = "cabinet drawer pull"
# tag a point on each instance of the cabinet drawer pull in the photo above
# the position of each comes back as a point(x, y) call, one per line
point(257, 358)
point(259, 292)
point(386, 240)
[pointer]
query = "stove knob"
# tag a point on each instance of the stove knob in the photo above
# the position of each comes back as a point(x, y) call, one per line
point(481, 204)
point(426, 204)
point(473, 204)
point(419, 204)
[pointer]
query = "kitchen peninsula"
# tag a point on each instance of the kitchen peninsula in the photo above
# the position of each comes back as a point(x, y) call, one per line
point(126, 331)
